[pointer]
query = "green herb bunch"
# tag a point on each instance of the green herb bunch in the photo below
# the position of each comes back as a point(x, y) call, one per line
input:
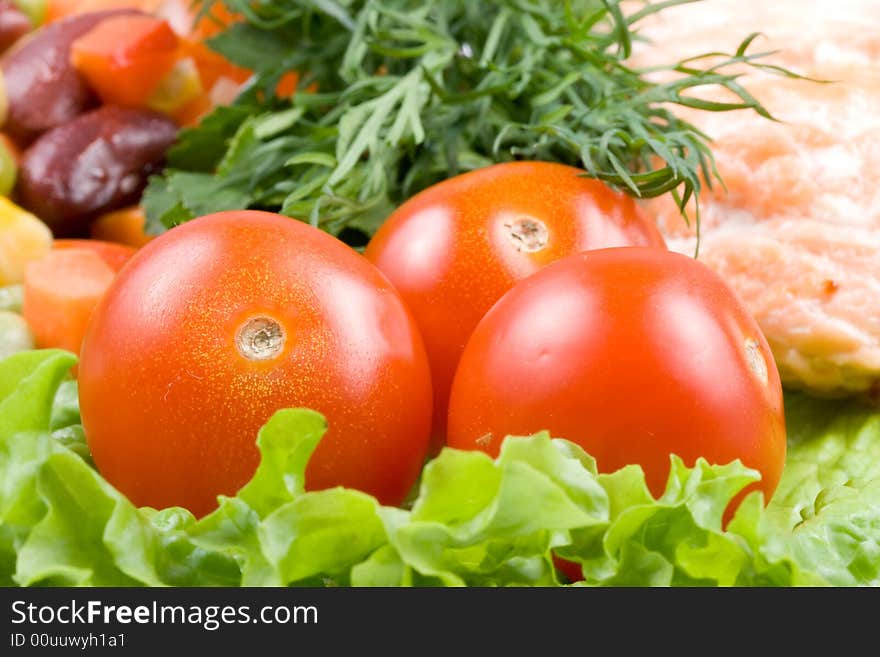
point(396, 95)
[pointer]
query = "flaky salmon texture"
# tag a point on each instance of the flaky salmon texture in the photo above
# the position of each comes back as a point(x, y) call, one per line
point(797, 231)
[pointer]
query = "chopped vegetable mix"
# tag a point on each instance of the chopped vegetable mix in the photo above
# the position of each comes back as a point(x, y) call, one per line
point(126, 57)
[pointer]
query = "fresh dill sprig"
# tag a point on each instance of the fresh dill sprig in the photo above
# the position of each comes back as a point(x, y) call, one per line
point(396, 95)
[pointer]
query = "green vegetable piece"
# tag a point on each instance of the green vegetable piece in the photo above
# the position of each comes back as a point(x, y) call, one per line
point(826, 509)
point(322, 533)
point(35, 10)
point(65, 407)
point(383, 568)
point(11, 298)
point(8, 170)
point(90, 535)
point(15, 334)
point(28, 382)
point(74, 438)
point(286, 442)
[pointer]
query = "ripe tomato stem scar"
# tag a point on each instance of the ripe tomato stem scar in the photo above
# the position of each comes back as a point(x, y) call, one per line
point(260, 338)
point(527, 234)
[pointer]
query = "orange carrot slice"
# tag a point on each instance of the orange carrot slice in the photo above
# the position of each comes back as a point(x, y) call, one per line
point(60, 293)
point(124, 58)
point(115, 255)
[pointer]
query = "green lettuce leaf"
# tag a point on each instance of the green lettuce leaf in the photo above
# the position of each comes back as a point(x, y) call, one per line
point(474, 520)
point(827, 506)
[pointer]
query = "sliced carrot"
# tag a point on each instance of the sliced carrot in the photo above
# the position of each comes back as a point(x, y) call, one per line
point(60, 293)
point(124, 58)
point(115, 255)
point(124, 226)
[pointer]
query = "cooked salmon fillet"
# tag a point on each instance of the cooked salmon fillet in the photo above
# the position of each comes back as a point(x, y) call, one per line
point(797, 231)
point(803, 32)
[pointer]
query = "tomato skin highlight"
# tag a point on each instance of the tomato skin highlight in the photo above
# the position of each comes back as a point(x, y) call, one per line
point(170, 405)
point(635, 354)
point(452, 253)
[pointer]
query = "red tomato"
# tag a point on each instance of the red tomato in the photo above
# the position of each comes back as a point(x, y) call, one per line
point(453, 250)
point(635, 354)
point(218, 323)
point(572, 571)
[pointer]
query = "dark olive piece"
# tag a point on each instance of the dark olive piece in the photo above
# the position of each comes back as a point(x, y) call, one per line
point(97, 162)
